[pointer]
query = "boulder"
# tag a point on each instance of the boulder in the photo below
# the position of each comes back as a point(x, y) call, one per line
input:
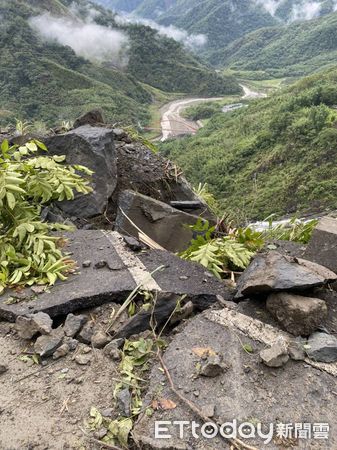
point(322, 247)
point(298, 315)
point(144, 171)
point(276, 355)
point(94, 148)
point(162, 223)
point(28, 326)
point(272, 272)
point(322, 347)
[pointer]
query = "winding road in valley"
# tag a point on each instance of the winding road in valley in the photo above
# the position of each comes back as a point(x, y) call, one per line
point(174, 125)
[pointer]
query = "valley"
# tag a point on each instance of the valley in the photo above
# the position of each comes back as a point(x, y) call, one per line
point(168, 224)
point(174, 124)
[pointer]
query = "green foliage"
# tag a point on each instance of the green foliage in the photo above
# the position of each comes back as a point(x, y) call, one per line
point(203, 192)
point(295, 230)
point(28, 253)
point(275, 156)
point(294, 50)
point(180, 72)
point(217, 254)
point(222, 253)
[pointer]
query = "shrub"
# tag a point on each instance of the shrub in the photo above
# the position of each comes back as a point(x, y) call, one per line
point(28, 252)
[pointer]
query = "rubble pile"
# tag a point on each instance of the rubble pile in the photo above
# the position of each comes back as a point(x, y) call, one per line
point(263, 351)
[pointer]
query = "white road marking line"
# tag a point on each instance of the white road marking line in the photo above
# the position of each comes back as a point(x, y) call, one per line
point(137, 270)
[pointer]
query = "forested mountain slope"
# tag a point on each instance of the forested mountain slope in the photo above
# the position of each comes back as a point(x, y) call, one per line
point(54, 77)
point(292, 50)
point(276, 156)
point(223, 21)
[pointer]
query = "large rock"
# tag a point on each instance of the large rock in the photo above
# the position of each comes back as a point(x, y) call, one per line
point(322, 347)
point(246, 389)
point(94, 148)
point(299, 315)
point(146, 172)
point(165, 225)
point(274, 272)
point(322, 247)
point(123, 271)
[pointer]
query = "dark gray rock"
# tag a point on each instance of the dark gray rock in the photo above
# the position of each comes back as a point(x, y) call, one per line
point(124, 402)
point(322, 347)
point(162, 223)
point(28, 326)
point(133, 243)
point(74, 324)
point(274, 272)
point(87, 332)
point(276, 355)
point(299, 315)
point(322, 247)
point(46, 345)
point(3, 369)
point(94, 148)
point(164, 308)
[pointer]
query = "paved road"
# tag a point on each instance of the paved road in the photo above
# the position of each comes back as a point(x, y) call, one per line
point(249, 94)
point(173, 125)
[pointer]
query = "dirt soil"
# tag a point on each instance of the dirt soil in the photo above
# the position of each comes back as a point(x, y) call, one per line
point(44, 407)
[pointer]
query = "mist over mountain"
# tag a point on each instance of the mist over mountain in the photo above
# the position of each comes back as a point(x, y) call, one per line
point(223, 21)
point(59, 56)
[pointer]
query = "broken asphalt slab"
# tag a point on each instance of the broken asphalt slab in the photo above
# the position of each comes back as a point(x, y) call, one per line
point(247, 391)
point(114, 272)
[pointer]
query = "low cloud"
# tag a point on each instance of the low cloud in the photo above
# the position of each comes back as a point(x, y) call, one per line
point(191, 41)
point(270, 6)
point(88, 39)
point(305, 11)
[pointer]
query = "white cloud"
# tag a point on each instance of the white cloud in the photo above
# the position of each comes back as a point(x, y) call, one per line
point(305, 11)
point(270, 5)
point(88, 39)
point(191, 41)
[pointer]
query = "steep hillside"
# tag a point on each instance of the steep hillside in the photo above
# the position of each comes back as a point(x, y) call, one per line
point(223, 21)
point(293, 50)
point(44, 80)
point(276, 156)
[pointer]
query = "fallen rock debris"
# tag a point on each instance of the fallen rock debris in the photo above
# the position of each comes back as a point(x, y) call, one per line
point(248, 355)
